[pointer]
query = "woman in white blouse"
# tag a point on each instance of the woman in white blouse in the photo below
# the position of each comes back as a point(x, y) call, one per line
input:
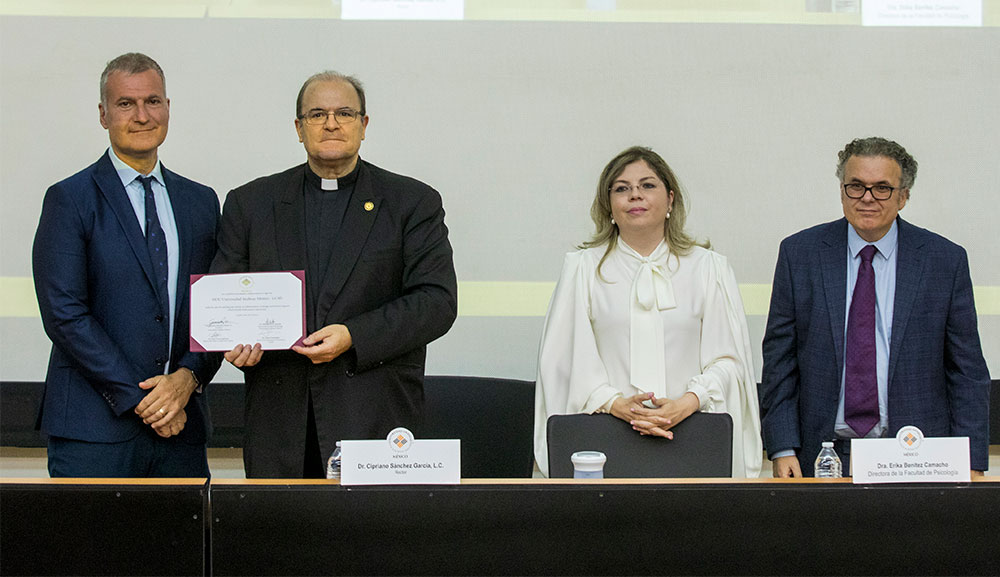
point(645, 323)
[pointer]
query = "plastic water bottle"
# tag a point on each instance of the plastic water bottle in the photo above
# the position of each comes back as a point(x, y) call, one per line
point(333, 464)
point(828, 464)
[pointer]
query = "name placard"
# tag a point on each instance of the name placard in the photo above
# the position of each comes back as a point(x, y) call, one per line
point(910, 458)
point(401, 460)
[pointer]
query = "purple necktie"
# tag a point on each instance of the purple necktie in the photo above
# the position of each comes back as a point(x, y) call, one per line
point(156, 242)
point(860, 381)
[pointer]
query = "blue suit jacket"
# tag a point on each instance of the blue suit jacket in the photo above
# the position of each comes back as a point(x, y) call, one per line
point(99, 306)
point(938, 378)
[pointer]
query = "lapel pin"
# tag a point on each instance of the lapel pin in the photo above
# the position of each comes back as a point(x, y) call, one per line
point(369, 206)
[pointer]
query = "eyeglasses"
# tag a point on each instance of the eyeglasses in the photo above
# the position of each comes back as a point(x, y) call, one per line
point(342, 116)
point(857, 190)
point(645, 186)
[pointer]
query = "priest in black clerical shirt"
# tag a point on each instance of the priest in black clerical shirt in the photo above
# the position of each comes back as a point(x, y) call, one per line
point(326, 202)
point(380, 285)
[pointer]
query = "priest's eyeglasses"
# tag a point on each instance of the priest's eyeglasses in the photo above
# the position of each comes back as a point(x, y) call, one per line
point(342, 116)
point(857, 190)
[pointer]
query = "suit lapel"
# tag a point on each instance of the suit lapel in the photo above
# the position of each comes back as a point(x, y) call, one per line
point(909, 271)
point(289, 211)
point(181, 207)
point(110, 185)
point(358, 221)
point(833, 261)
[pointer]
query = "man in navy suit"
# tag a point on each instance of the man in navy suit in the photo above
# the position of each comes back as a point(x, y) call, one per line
point(872, 326)
point(112, 256)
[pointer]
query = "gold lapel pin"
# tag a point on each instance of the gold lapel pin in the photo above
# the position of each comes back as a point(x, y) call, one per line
point(369, 206)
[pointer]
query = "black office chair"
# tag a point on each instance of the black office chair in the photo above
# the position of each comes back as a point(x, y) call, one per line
point(493, 417)
point(702, 446)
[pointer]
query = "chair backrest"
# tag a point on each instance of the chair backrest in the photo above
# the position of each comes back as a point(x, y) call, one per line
point(702, 446)
point(493, 417)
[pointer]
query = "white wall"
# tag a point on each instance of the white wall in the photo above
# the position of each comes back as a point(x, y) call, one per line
point(513, 121)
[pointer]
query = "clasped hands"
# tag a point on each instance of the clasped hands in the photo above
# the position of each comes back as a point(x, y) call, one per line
point(655, 421)
point(163, 407)
point(321, 346)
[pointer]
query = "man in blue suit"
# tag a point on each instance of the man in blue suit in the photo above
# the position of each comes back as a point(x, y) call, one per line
point(872, 326)
point(112, 256)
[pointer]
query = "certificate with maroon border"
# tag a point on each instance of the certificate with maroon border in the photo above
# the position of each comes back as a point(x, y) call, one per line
point(248, 308)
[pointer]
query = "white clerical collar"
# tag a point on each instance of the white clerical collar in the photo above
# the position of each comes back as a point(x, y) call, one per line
point(332, 184)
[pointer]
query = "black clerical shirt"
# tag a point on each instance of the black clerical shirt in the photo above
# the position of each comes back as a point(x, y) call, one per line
point(324, 213)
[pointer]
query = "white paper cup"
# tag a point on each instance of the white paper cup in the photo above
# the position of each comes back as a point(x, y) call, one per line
point(588, 464)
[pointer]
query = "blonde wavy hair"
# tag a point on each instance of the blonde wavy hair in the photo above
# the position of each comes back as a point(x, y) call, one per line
point(606, 232)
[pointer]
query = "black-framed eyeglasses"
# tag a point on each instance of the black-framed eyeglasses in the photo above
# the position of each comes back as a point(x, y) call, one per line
point(341, 116)
point(857, 190)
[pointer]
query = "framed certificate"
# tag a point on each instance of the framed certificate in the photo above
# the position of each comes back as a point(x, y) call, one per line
point(248, 308)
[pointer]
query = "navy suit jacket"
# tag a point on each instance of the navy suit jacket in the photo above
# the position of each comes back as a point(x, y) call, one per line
point(938, 378)
point(93, 280)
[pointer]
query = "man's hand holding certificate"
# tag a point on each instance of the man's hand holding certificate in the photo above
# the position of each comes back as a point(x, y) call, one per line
point(325, 344)
point(230, 310)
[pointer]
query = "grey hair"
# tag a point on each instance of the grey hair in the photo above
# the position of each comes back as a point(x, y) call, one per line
point(330, 76)
point(878, 146)
point(130, 63)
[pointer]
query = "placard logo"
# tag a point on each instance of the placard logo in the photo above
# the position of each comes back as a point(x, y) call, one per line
point(910, 438)
point(400, 439)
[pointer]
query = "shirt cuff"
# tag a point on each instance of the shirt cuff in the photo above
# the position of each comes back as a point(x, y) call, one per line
point(705, 403)
point(606, 407)
point(601, 398)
